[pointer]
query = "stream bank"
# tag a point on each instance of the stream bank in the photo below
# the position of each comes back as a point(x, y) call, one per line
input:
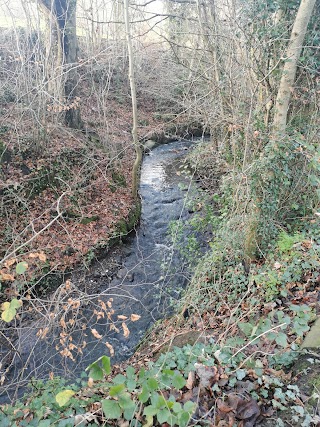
point(109, 309)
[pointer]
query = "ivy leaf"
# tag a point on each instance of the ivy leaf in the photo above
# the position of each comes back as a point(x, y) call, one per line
point(240, 374)
point(144, 395)
point(246, 328)
point(189, 406)
point(116, 389)
point(111, 409)
point(21, 267)
point(95, 372)
point(130, 372)
point(149, 421)
point(281, 339)
point(69, 422)
point(178, 381)
point(131, 385)
point(150, 411)
point(64, 396)
point(163, 416)
point(105, 360)
point(184, 418)
point(125, 401)
point(152, 384)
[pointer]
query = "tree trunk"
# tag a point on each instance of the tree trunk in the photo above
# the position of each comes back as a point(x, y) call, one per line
point(137, 163)
point(290, 67)
point(64, 12)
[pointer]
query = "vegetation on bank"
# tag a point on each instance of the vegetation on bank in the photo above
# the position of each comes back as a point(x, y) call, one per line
point(255, 292)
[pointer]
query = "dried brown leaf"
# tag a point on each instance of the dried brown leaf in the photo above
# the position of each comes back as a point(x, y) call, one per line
point(126, 331)
point(111, 349)
point(122, 317)
point(190, 380)
point(96, 334)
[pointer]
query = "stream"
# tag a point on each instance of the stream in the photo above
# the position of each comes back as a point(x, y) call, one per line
point(140, 281)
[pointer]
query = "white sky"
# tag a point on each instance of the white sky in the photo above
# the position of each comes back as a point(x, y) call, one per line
point(12, 11)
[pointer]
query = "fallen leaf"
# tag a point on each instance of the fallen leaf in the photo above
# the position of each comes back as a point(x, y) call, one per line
point(42, 256)
point(111, 349)
point(277, 265)
point(134, 317)
point(63, 397)
point(207, 375)
point(6, 276)
point(122, 317)
point(190, 380)
point(10, 262)
point(126, 331)
point(96, 334)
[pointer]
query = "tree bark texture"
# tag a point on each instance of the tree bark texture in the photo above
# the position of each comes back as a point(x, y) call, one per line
point(290, 66)
point(64, 12)
point(137, 163)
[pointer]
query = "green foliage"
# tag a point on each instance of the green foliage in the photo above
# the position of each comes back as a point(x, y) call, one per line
point(52, 403)
point(284, 186)
point(9, 309)
point(41, 407)
point(127, 392)
point(296, 258)
point(99, 368)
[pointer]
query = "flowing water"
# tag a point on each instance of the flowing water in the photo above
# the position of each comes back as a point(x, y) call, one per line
point(142, 277)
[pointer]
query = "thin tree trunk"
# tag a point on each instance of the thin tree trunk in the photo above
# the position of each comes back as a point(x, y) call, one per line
point(290, 67)
point(64, 13)
point(70, 48)
point(137, 163)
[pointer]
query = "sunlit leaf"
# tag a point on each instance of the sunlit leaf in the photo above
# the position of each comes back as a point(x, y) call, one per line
point(16, 303)
point(5, 305)
point(8, 314)
point(105, 360)
point(21, 267)
point(64, 396)
point(10, 309)
point(33, 255)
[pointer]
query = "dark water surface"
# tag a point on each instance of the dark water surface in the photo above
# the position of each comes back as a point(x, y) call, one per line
point(144, 276)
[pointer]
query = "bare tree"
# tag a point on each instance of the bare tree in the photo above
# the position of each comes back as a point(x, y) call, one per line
point(136, 166)
point(290, 66)
point(64, 13)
